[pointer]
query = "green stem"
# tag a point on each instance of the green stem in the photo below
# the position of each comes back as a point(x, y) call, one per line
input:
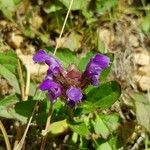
point(70, 114)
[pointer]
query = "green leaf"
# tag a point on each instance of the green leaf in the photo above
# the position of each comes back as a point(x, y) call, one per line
point(102, 97)
point(77, 4)
point(114, 142)
point(145, 24)
point(44, 107)
point(17, 116)
point(58, 127)
point(142, 106)
point(101, 128)
point(7, 108)
point(74, 137)
point(80, 128)
point(17, 1)
point(112, 121)
point(28, 32)
point(104, 5)
point(39, 95)
point(9, 100)
point(60, 111)
point(52, 7)
point(10, 113)
point(10, 77)
point(66, 56)
point(25, 108)
point(11, 67)
point(111, 143)
point(7, 7)
point(32, 89)
point(9, 60)
point(105, 146)
point(6, 112)
point(106, 124)
point(83, 62)
point(21, 112)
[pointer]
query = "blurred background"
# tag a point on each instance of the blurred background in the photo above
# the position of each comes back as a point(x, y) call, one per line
point(119, 27)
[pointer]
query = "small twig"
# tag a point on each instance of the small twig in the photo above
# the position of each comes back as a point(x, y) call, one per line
point(21, 80)
point(19, 129)
point(5, 136)
point(62, 30)
point(139, 141)
point(27, 84)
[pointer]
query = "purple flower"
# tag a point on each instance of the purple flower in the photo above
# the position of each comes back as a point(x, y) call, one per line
point(74, 95)
point(95, 67)
point(54, 65)
point(58, 79)
point(101, 60)
point(53, 88)
point(40, 56)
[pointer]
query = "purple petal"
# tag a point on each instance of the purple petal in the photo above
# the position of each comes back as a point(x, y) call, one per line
point(48, 84)
point(50, 96)
point(49, 76)
point(54, 93)
point(94, 68)
point(54, 89)
point(101, 60)
point(51, 61)
point(95, 80)
point(74, 94)
point(40, 56)
point(54, 65)
point(53, 70)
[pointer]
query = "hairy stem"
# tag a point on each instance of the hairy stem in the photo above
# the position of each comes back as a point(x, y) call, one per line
point(46, 128)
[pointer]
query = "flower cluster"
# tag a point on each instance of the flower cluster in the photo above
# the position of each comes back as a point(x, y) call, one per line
point(71, 82)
